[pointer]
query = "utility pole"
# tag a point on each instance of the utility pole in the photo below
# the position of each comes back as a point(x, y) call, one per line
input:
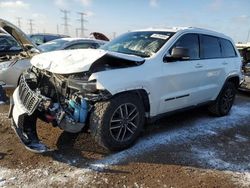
point(19, 22)
point(57, 29)
point(248, 36)
point(31, 24)
point(66, 21)
point(114, 35)
point(82, 21)
point(77, 29)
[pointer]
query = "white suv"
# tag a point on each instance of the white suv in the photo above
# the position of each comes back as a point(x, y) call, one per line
point(138, 76)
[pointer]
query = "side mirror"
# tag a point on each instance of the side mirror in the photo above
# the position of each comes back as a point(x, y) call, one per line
point(177, 54)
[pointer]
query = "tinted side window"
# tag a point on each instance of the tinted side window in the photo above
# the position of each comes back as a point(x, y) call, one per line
point(227, 48)
point(210, 47)
point(191, 42)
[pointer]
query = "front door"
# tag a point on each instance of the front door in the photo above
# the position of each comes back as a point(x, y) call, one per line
point(180, 80)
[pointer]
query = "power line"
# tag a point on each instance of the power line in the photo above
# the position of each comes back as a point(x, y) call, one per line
point(66, 21)
point(82, 21)
point(31, 24)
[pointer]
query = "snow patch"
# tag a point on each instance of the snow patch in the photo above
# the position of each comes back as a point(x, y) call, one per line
point(240, 138)
point(241, 178)
point(42, 177)
point(211, 158)
point(239, 172)
point(207, 126)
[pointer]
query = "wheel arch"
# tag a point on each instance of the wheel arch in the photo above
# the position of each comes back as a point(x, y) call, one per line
point(235, 79)
point(142, 94)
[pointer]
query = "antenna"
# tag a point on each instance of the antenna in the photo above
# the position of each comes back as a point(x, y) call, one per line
point(66, 21)
point(82, 21)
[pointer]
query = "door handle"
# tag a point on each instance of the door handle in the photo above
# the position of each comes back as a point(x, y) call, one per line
point(198, 66)
point(224, 63)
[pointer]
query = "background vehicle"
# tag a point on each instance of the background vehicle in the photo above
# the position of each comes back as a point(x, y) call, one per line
point(70, 44)
point(40, 38)
point(244, 50)
point(15, 53)
point(14, 59)
point(137, 76)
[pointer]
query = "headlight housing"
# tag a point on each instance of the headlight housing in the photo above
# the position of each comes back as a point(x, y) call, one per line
point(89, 86)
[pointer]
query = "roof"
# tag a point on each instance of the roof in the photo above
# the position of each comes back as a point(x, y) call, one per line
point(190, 29)
point(48, 34)
point(69, 39)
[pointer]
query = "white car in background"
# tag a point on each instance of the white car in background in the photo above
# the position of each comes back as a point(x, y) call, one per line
point(71, 44)
point(13, 64)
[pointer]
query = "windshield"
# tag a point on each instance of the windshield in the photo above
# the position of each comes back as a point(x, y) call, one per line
point(142, 43)
point(52, 45)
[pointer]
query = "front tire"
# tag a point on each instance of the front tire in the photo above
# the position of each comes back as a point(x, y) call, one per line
point(115, 124)
point(224, 101)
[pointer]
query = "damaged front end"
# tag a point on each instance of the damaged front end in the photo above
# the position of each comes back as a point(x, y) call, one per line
point(63, 100)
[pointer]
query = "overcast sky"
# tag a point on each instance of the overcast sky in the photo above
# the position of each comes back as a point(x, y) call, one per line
point(231, 17)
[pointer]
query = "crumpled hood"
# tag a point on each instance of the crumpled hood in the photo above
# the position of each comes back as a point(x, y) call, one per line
point(74, 61)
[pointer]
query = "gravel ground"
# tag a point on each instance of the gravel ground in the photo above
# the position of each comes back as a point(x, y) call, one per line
point(189, 149)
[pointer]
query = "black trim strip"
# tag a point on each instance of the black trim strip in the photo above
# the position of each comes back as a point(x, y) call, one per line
point(170, 99)
point(182, 96)
point(178, 97)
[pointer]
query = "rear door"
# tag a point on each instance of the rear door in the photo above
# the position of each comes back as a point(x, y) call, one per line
point(215, 67)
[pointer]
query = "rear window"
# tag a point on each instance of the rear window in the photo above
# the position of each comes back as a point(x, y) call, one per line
point(210, 47)
point(227, 48)
point(84, 45)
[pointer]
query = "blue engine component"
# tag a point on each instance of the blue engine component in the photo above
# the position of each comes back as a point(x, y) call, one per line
point(80, 110)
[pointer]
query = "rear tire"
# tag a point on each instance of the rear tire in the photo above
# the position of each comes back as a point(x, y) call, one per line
point(224, 101)
point(115, 124)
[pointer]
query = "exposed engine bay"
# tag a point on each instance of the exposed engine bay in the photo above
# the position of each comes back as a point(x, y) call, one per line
point(57, 97)
point(63, 100)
